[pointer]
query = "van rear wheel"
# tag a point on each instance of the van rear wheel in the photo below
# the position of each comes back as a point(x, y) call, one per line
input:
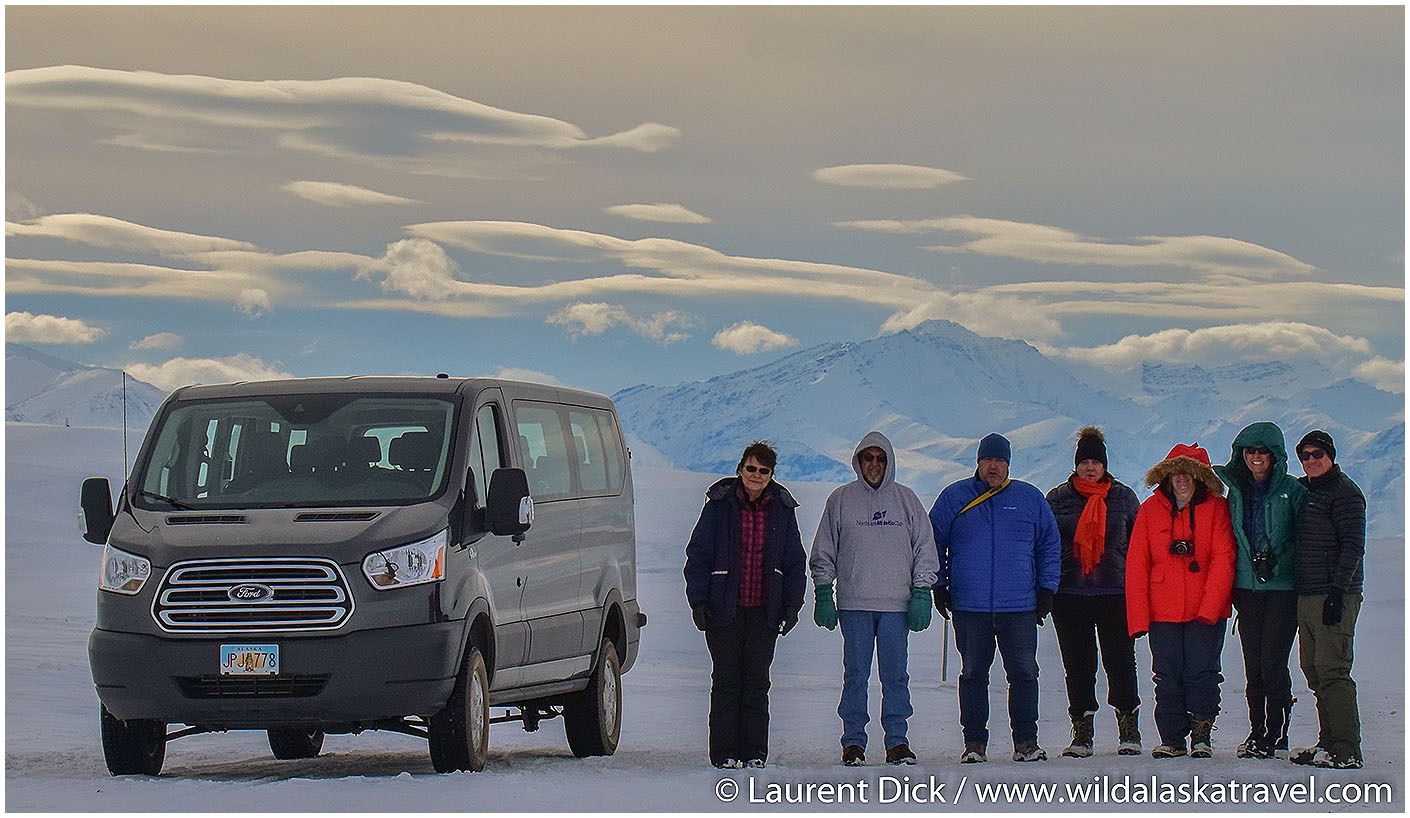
point(295, 743)
point(460, 734)
point(592, 718)
point(132, 746)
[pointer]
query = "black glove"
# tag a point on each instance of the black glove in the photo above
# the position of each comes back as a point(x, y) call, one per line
point(701, 615)
point(1332, 608)
point(789, 620)
point(942, 601)
point(1045, 604)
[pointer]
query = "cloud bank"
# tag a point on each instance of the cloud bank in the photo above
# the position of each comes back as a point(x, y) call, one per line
point(1271, 340)
point(667, 213)
point(888, 177)
point(335, 194)
point(386, 122)
point(1001, 238)
point(160, 340)
point(185, 371)
point(747, 338)
point(28, 328)
point(595, 319)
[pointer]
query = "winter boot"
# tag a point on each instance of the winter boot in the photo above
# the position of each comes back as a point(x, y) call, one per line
point(1128, 727)
point(1256, 745)
point(1200, 745)
point(973, 753)
point(1169, 749)
point(1308, 755)
point(1029, 751)
point(1082, 731)
point(1279, 720)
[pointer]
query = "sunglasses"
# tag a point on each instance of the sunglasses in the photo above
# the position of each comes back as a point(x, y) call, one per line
point(869, 458)
point(1258, 450)
point(1315, 454)
point(764, 470)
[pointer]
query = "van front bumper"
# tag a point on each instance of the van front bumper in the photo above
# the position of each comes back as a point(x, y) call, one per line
point(351, 680)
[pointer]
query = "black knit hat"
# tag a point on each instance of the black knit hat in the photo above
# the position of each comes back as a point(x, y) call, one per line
point(1319, 439)
point(1091, 445)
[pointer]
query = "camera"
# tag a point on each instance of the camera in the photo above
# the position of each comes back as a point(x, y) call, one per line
point(1182, 548)
point(1263, 564)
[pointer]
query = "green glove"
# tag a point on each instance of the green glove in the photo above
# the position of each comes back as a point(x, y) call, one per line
point(824, 608)
point(918, 616)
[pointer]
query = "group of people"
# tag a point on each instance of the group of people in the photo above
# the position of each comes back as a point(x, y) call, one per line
point(996, 557)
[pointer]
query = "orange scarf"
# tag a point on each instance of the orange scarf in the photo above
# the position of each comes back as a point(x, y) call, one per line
point(1089, 541)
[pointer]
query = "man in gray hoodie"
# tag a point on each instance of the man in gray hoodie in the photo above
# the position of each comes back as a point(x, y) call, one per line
point(875, 542)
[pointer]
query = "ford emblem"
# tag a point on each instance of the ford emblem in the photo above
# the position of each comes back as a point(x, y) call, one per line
point(251, 592)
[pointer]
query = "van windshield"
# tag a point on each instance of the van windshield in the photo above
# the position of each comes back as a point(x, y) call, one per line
point(298, 451)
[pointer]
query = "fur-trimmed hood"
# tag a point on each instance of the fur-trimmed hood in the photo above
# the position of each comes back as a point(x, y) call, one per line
point(1186, 459)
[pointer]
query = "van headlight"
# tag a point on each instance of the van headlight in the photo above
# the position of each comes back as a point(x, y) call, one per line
point(123, 573)
point(405, 565)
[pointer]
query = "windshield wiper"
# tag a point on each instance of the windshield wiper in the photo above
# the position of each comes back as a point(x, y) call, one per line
point(172, 501)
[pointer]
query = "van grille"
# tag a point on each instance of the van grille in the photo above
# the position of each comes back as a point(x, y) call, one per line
point(258, 687)
point(252, 596)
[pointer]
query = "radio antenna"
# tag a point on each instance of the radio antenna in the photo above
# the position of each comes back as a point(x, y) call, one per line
point(124, 425)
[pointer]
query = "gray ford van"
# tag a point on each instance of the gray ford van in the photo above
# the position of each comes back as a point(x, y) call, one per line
point(333, 555)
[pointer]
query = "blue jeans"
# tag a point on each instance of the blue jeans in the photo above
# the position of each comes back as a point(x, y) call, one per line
point(1016, 635)
point(885, 633)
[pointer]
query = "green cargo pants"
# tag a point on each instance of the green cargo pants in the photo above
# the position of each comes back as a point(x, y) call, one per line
point(1325, 654)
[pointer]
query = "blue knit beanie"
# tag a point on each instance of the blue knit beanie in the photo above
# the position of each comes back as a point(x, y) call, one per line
point(995, 445)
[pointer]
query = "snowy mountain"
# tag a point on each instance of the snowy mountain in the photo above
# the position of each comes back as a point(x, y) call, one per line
point(42, 388)
point(937, 389)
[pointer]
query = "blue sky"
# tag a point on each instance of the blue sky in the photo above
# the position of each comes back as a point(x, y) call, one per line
point(607, 196)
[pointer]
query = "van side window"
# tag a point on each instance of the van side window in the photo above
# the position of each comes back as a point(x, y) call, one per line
point(599, 458)
point(545, 450)
point(485, 451)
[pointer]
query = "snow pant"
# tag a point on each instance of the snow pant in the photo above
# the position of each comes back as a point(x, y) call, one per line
point(1325, 654)
point(1185, 661)
point(1267, 626)
point(1081, 622)
point(742, 652)
point(1016, 635)
point(886, 634)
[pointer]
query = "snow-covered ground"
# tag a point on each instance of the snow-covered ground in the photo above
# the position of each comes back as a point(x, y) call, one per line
point(54, 762)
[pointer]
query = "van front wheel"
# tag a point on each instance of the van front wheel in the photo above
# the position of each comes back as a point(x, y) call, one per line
point(133, 746)
point(592, 718)
point(460, 734)
point(295, 743)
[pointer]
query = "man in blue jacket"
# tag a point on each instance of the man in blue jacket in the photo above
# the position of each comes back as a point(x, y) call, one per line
point(1000, 562)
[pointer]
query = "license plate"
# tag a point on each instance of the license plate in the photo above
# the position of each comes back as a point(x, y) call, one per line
point(249, 660)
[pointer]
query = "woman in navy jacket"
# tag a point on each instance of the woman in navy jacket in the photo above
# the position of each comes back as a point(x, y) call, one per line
point(744, 579)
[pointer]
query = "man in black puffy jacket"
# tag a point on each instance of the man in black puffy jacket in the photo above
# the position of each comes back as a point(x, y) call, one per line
point(1331, 549)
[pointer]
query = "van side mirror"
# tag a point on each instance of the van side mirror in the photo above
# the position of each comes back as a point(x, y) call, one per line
point(510, 509)
point(96, 510)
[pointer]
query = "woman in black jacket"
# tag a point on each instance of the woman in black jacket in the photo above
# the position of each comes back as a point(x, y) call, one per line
point(1094, 513)
point(744, 580)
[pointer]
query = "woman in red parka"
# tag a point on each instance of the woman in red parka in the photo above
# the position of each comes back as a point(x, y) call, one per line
point(1179, 586)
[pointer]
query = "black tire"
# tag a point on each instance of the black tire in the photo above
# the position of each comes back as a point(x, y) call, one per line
point(134, 746)
point(294, 742)
point(592, 718)
point(460, 734)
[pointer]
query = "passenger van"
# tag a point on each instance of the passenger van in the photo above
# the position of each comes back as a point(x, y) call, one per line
point(333, 555)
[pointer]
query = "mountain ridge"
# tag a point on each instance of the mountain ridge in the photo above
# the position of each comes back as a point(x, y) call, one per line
point(936, 389)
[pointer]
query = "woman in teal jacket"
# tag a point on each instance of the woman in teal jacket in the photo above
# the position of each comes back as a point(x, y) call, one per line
point(1263, 503)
